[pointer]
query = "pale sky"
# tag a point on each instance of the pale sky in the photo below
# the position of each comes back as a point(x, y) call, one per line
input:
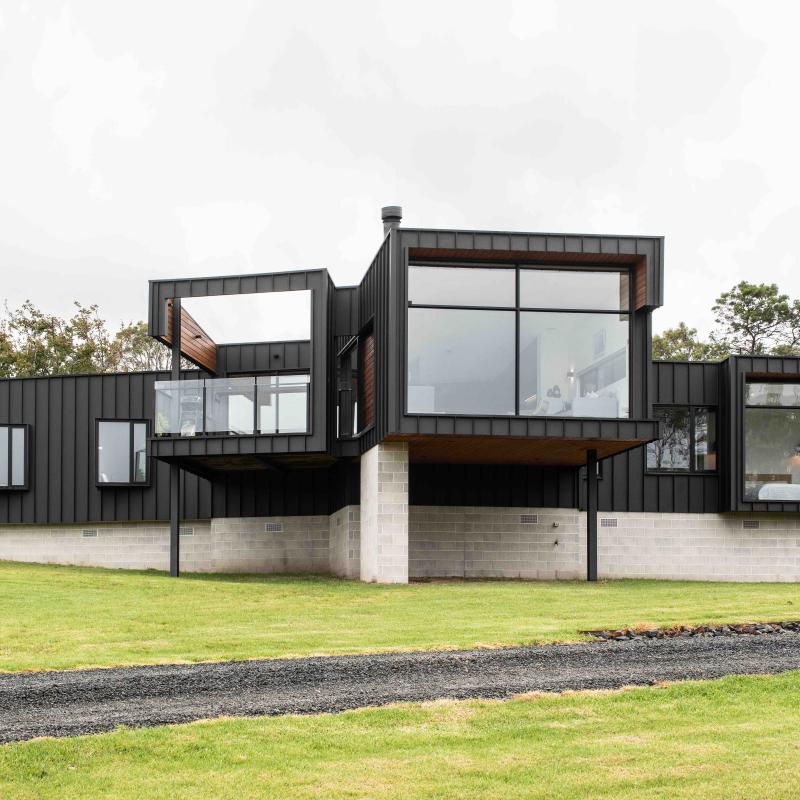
point(159, 139)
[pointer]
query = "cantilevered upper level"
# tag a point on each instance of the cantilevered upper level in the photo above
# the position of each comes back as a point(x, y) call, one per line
point(473, 346)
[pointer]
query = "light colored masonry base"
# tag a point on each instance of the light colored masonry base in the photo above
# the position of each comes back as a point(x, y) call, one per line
point(442, 542)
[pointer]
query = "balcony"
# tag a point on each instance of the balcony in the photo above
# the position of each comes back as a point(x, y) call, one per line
point(262, 405)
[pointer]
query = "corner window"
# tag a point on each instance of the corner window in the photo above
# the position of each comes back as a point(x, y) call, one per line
point(13, 456)
point(122, 452)
point(688, 440)
point(518, 340)
point(772, 442)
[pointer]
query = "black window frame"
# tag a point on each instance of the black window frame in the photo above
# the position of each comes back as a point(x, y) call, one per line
point(693, 408)
point(25, 486)
point(517, 309)
point(745, 405)
point(131, 483)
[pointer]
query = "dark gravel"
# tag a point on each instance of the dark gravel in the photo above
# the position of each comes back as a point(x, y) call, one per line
point(89, 701)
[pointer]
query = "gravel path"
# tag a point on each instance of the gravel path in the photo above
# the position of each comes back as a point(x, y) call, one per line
point(89, 701)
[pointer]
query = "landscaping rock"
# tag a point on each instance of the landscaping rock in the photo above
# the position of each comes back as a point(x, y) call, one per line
point(742, 629)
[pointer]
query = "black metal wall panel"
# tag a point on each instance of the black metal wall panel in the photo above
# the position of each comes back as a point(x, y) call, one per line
point(375, 298)
point(263, 357)
point(62, 413)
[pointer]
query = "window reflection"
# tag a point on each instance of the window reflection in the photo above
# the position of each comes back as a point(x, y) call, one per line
point(772, 454)
point(573, 364)
point(462, 286)
point(460, 362)
point(575, 288)
point(673, 450)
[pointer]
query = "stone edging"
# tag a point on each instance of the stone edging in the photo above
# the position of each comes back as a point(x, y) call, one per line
point(750, 629)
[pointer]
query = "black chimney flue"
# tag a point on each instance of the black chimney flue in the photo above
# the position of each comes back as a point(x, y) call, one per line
point(391, 216)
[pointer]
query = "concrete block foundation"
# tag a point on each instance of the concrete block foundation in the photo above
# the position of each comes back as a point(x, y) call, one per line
point(436, 541)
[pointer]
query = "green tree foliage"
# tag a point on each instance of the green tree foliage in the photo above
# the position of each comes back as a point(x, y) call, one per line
point(33, 342)
point(683, 344)
point(750, 319)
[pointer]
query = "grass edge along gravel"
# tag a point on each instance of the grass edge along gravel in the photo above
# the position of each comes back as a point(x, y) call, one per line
point(56, 617)
point(735, 737)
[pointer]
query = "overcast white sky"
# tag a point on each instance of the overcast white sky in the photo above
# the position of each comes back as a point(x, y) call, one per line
point(158, 139)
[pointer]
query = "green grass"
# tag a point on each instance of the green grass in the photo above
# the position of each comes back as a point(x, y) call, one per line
point(719, 740)
point(61, 617)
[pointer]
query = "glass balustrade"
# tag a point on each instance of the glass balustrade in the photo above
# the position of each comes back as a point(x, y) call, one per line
point(267, 404)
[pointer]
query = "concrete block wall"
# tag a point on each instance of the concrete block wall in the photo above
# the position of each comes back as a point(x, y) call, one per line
point(496, 543)
point(384, 513)
point(700, 547)
point(118, 546)
point(219, 545)
point(480, 542)
point(442, 542)
point(270, 544)
point(345, 542)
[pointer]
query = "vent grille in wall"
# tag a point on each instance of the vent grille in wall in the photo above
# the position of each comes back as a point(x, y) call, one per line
point(529, 519)
point(187, 531)
point(273, 527)
point(89, 533)
point(753, 524)
point(608, 522)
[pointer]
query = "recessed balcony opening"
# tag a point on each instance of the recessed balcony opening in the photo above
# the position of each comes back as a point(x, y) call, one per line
point(258, 317)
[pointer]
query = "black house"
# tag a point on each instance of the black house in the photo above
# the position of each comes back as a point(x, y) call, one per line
point(466, 410)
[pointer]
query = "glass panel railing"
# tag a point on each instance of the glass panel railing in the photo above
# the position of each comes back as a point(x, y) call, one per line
point(179, 408)
point(229, 405)
point(269, 404)
point(283, 403)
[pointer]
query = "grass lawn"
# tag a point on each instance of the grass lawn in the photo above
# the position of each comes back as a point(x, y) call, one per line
point(733, 738)
point(55, 617)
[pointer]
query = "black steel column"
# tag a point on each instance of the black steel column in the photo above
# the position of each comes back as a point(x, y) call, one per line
point(174, 469)
point(591, 515)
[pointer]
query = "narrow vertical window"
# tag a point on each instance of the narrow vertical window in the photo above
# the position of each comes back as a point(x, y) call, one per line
point(5, 472)
point(13, 457)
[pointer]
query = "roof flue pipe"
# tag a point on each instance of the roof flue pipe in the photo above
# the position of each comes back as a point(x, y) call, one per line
point(391, 216)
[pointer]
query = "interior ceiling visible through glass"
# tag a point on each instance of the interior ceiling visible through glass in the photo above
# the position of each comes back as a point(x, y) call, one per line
point(261, 317)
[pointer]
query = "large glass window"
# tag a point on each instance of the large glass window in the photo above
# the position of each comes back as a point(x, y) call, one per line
point(13, 456)
point(574, 288)
point(772, 442)
point(460, 362)
point(462, 286)
point(496, 355)
point(573, 364)
point(121, 452)
point(688, 440)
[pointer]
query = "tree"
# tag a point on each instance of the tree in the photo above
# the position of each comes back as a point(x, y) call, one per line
point(683, 344)
point(136, 351)
point(35, 343)
point(752, 319)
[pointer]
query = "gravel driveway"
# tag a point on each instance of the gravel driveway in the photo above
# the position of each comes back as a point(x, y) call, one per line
point(88, 701)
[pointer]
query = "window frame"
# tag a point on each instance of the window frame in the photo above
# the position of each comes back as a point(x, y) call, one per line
point(517, 309)
point(131, 483)
point(25, 486)
point(693, 408)
point(743, 464)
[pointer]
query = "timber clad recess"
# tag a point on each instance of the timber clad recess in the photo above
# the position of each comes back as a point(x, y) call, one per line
point(550, 386)
point(196, 344)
